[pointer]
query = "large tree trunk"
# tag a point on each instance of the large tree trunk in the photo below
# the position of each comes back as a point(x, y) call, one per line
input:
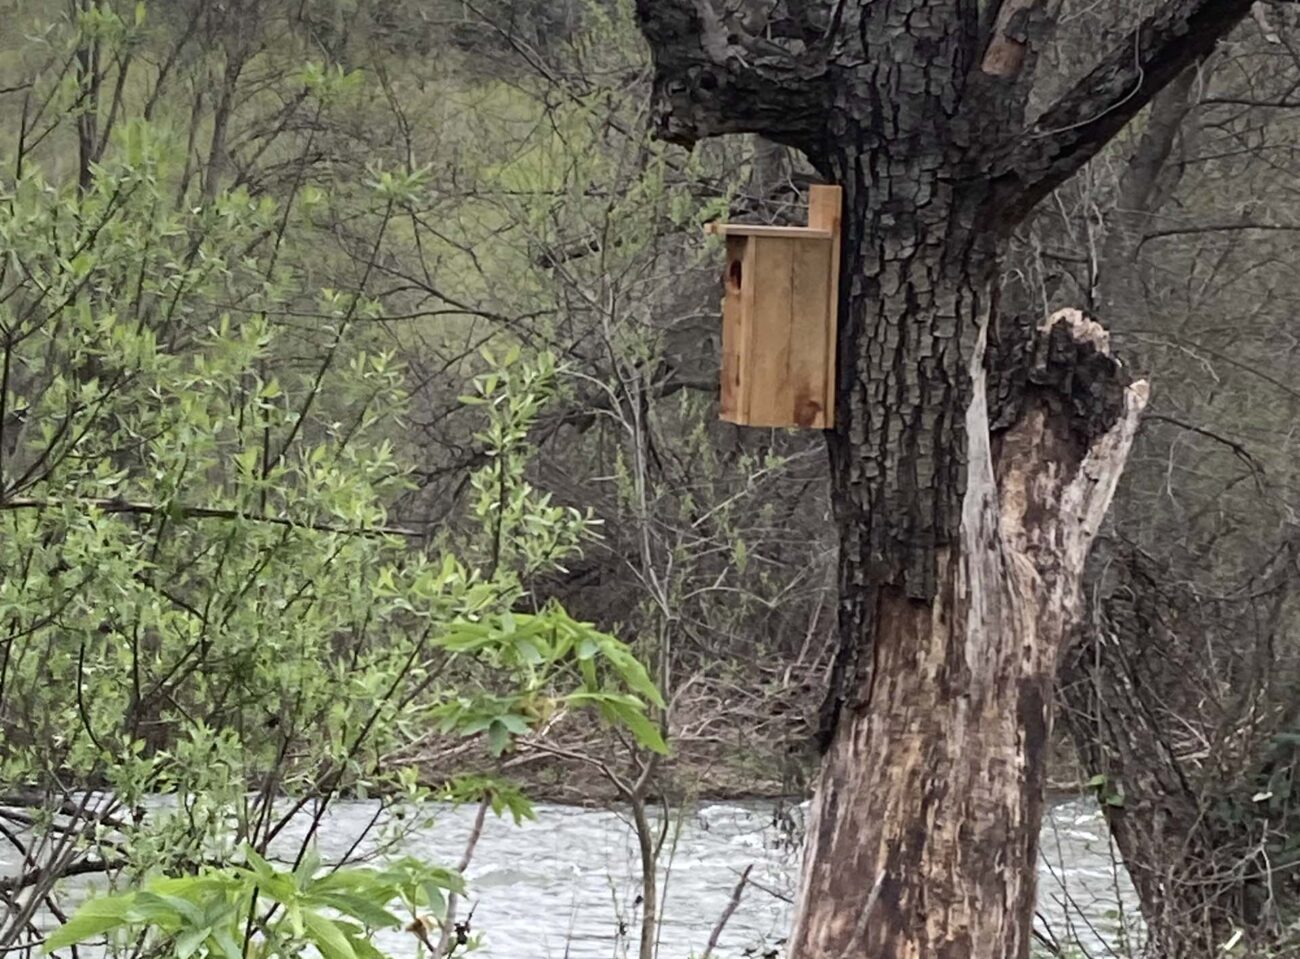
point(961, 553)
point(924, 834)
point(961, 539)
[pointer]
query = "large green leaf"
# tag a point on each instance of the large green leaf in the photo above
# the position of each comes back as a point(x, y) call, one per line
point(360, 908)
point(96, 917)
point(328, 937)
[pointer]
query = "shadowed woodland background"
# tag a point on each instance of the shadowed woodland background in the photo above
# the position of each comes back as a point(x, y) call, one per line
point(547, 219)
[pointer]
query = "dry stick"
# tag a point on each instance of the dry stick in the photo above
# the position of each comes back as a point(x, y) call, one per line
point(449, 923)
point(774, 893)
point(732, 904)
point(860, 928)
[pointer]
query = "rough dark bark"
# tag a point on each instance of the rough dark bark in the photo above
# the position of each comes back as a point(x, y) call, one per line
point(956, 585)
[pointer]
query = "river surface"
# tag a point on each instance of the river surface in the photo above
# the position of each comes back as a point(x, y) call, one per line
point(566, 884)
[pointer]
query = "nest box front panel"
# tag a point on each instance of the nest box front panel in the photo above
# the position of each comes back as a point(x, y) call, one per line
point(737, 300)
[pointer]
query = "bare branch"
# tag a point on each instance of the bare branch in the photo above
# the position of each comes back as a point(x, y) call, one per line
point(200, 512)
point(84, 867)
point(1077, 126)
point(732, 904)
point(449, 924)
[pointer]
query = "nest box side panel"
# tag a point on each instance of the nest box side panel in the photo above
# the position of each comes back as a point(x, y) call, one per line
point(825, 210)
point(736, 301)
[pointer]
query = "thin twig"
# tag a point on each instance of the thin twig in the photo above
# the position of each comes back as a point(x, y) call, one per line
point(449, 923)
point(200, 512)
point(732, 905)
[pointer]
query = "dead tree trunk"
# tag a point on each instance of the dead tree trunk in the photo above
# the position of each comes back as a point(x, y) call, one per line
point(961, 538)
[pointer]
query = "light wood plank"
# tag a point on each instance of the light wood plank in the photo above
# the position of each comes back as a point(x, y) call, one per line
point(805, 388)
point(767, 345)
point(756, 229)
point(825, 211)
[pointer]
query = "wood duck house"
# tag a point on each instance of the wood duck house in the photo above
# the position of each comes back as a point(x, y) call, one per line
point(779, 316)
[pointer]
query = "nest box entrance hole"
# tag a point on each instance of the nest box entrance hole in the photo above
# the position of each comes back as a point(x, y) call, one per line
point(735, 271)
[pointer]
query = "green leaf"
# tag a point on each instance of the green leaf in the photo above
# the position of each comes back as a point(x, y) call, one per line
point(93, 919)
point(163, 904)
point(226, 943)
point(278, 886)
point(498, 737)
point(365, 950)
point(435, 899)
point(515, 723)
point(307, 866)
point(630, 670)
point(257, 864)
point(360, 909)
point(328, 937)
point(189, 941)
point(638, 724)
point(529, 654)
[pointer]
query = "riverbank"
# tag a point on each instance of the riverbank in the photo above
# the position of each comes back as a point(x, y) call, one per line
point(716, 774)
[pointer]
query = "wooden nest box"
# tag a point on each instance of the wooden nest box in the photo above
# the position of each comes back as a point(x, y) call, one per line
point(778, 318)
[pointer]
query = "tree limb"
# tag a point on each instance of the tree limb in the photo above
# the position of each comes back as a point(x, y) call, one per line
point(1072, 131)
point(84, 867)
point(720, 71)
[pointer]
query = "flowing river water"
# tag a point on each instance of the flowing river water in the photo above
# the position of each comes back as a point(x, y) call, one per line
point(566, 884)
